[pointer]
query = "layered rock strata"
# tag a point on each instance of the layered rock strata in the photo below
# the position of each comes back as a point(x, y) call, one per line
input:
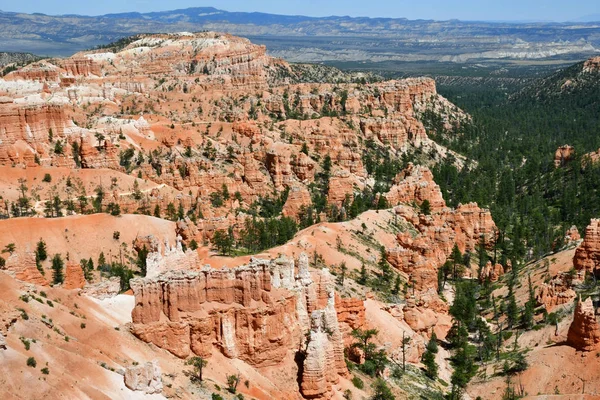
point(257, 313)
point(584, 332)
point(587, 255)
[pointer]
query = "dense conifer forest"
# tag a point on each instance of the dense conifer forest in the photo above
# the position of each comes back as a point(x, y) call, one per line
point(511, 143)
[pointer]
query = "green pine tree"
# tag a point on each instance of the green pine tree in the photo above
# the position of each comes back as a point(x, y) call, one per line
point(57, 269)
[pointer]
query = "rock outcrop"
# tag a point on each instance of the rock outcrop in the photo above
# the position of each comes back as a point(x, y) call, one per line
point(563, 155)
point(350, 315)
point(491, 272)
point(324, 355)
point(23, 267)
point(256, 313)
point(298, 199)
point(103, 290)
point(572, 235)
point(419, 254)
point(584, 332)
point(74, 277)
point(555, 293)
point(169, 258)
point(415, 185)
point(592, 65)
point(587, 255)
point(145, 378)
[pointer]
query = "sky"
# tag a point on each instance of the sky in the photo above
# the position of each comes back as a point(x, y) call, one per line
point(483, 10)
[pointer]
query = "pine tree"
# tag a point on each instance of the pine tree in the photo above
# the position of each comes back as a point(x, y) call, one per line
point(87, 269)
point(171, 211)
point(457, 258)
point(428, 359)
point(198, 363)
point(225, 192)
point(528, 320)
point(482, 252)
point(431, 367)
point(57, 268)
point(304, 148)
point(41, 253)
point(512, 310)
point(141, 260)
point(101, 260)
point(397, 283)
point(426, 207)
point(362, 279)
point(180, 211)
point(137, 193)
point(223, 242)
point(381, 391)
point(342, 275)
point(386, 272)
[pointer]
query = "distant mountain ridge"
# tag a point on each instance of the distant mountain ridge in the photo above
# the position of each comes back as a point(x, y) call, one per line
point(314, 39)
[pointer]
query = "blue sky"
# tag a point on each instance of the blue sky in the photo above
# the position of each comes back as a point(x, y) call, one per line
point(539, 10)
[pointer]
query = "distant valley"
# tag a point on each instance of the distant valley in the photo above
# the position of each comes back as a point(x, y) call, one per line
point(308, 39)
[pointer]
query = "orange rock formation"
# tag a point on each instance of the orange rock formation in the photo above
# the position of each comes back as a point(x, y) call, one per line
point(584, 332)
point(257, 313)
point(587, 255)
point(563, 155)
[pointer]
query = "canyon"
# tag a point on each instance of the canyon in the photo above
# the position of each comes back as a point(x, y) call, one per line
point(146, 167)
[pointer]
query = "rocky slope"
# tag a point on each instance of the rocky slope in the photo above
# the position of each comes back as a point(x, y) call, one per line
point(235, 119)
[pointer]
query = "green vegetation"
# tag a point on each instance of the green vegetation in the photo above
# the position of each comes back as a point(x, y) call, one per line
point(198, 364)
point(9, 248)
point(512, 139)
point(375, 359)
point(57, 269)
point(140, 260)
point(428, 359)
point(232, 382)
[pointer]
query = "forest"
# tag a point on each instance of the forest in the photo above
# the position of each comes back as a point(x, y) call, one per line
point(510, 144)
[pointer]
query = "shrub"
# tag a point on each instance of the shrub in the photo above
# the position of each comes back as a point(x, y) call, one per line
point(82, 325)
point(47, 178)
point(26, 343)
point(357, 382)
point(31, 362)
point(232, 383)
point(23, 314)
point(45, 371)
point(114, 209)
